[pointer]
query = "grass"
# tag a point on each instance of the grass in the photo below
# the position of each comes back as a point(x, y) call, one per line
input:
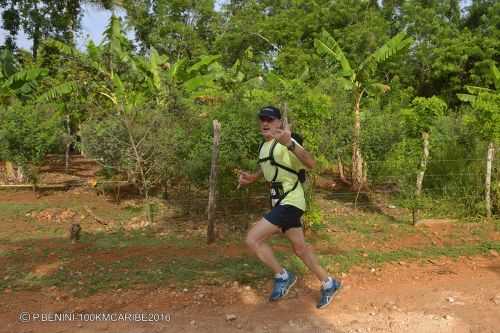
point(11, 210)
point(343, 262)
point(91, 274)
point(105, 261)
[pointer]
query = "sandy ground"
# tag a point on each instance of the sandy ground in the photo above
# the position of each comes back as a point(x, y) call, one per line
point(443, 296)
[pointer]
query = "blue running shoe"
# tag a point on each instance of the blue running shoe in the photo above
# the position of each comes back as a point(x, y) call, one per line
point(282, 286)
point(328, 294)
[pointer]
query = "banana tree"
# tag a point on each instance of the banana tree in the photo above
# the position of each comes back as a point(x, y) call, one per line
point(360, 80)
point(486, 121)
point(17, 85)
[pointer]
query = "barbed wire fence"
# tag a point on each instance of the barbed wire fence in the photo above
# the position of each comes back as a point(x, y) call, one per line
point(459, 189)
point(454, 193)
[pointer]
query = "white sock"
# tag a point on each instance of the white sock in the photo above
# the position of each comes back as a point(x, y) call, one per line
point(328, 283)
point(283, 275)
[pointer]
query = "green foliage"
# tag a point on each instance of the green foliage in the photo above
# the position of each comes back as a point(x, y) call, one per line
point(239, 143)
point(485, 115)
point(363, 72)
point(27, 134)
point(152, 108)
point(40, 19)
point(327, 45)
point(422, 114)
point(182, 29)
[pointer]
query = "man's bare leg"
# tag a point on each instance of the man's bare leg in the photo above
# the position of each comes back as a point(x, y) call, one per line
point(255, 240)
point(305, 252)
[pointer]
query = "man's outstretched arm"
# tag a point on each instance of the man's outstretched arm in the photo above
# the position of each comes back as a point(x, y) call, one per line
point(284, 136)
point(304, 156)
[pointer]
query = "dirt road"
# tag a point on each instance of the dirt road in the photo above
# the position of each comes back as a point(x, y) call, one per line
point(436, 296)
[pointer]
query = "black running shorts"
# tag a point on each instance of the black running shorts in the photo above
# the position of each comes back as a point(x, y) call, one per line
point(285, 217)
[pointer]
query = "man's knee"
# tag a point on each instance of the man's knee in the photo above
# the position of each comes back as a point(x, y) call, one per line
point(301, 250)
point(252, 243)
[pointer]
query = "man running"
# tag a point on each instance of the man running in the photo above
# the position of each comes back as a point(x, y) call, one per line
point(281, 157)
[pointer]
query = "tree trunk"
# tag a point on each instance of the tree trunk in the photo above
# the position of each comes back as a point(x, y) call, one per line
point(365, 173)
point(68, 144)
point(138, 161)
point(285, 115)
point(36, 35)
point(487, 183)
point(341, 169)
point(211, 234)
point(20, 178)
point(357, 158)
point(14, 173)
point(423, 164)
point(10, 172)
point(82, 146)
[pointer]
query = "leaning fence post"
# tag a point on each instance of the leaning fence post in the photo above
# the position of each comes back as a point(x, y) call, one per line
point(211, 234)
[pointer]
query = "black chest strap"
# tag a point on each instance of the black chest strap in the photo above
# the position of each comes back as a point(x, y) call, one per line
point(287, 192)
point(271, 159)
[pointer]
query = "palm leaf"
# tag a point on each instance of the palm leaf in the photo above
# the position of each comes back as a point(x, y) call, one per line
point(390, 48)
point(344, 83)
point(25, 76)
point(467, 98)
point(205, 60)
point(275, 79)
point(58, 91)
point(62, 47)
point(199, 82)
point(172, 72)
point(118, 83)
point(154, 68)
point(478, 90)
point(327, 45)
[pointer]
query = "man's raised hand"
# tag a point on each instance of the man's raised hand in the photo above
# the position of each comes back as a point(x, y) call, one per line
point(283, 135)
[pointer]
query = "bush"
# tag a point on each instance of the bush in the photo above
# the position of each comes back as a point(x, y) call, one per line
point(27, 134)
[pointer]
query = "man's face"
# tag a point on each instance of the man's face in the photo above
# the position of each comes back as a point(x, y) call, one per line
point(267, 125)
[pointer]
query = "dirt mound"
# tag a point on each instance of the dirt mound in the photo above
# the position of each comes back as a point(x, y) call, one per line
point(57, 215)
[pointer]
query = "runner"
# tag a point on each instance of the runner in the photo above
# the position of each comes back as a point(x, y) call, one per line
point(281, 158)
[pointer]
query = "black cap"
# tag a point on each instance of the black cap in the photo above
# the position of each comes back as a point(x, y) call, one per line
point(270, 111)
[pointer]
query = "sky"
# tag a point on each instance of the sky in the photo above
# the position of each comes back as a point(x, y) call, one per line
point(95, 20)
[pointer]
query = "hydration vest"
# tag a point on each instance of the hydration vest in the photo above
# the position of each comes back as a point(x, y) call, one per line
point(277, 191)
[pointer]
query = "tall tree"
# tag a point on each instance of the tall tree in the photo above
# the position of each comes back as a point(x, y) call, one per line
point(420, 118)
point(180, 28)
point(486, 120)
point(360, 80)
point(446, 55)
point(40, 19)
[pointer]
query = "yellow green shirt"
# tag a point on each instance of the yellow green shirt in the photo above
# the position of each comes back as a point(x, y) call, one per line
point(287, 158)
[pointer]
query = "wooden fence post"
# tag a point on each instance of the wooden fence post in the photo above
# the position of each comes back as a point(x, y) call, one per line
point(487, 183)
point(211, 234)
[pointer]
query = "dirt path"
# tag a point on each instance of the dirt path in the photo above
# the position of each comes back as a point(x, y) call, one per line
point(437, 296)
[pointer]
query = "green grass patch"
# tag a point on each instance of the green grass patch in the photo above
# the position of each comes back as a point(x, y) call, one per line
point(137, 238)
point(370, 227)
point(11, 210)
point(345, 261)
